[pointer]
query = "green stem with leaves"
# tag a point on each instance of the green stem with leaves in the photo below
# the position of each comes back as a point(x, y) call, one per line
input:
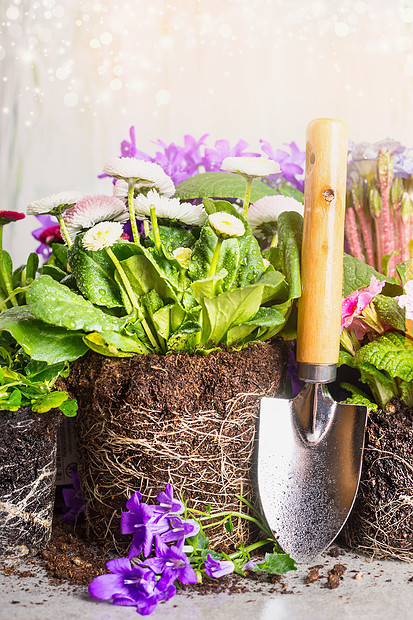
point(133, 301)
point(131, 206)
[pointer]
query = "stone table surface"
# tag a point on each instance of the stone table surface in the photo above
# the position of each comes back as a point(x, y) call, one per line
point(383, 590)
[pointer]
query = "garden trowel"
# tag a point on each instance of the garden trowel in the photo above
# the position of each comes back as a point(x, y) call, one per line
point(310, 448)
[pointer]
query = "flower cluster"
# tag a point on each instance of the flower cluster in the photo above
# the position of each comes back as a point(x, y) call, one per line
point(379, 215)
point(158, 558)
point(147, 581)
point(194, 156)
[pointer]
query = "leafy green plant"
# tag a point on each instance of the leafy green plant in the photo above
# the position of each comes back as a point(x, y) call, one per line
point(28, 383)
point(375, 335)
point(195, 280)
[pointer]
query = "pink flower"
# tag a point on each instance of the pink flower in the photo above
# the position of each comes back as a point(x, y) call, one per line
point(354, 304)
point(92, 210)
point(406, 301)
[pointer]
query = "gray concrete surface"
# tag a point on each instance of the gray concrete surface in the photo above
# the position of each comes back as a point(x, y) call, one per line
point(384, 592)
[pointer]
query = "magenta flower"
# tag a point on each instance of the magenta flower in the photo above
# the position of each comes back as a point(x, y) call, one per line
point(10, 216)
point(218, 568)
point(132, 585)
point(73, 498)
point(406, 301)
point(172, 562)
point(46, 234)
point(353, 305)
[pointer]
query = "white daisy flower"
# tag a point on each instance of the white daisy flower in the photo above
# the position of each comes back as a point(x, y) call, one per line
point(120, 189)
point(183, 256)
point(251, 166)
point(226, 224)
point(54, 204)
point(141, 173)
point(93, 209)
point(103, 235)
point(169, 208)
point(262, 216)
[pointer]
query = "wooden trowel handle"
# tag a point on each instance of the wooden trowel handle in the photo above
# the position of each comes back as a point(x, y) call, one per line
point(319, 308)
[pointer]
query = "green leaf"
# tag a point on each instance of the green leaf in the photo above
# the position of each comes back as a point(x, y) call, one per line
point(275, 286)
point(54, 272)
point(275, 563)
point(389, 352)
point(220, 185)
point(41, 371)
point(60, 252)
point(229, 526)
point(209, 287)
point(114, 344)
point(291, 192)
point(389, 310)
point(12, 403)
point(6, 272)
point(55, 304)
point(229, 309)
point(266, 317)
point(32, 266)
point(53, 400)
point(401, 271)
point(199, 541)
point(290, 232)
point(39, 340)
point(69, 408)
point(173, 237)
point(144, 276)
point(357, 274)
point(358, 397)
point(95, 274)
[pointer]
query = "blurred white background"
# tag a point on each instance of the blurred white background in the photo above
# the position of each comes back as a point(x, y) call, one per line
point(76, 74)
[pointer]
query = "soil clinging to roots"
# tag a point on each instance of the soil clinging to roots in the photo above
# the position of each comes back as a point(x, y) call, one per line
point(186, 419)
point(381, 523)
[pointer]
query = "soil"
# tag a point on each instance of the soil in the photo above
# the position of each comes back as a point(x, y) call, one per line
point(381, 522)
point(27, 480)
point(186, 419)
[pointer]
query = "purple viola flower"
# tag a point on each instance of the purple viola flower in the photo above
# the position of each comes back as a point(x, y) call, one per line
point(132, 585)
point(218, 568)
point(128, 149)
point(180, 529)
point(214, 157)
point(290, 164)
point(167, 502)
point(250, 565)
point(143, 523)
point(73, 498)
point(172, 562)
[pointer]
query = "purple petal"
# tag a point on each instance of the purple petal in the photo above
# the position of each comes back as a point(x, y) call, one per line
point(136, 547)
point(119, 566)
point(123, 600)
point(106, 586)
point(129, 523)
point(218, 568)
point(133, 503)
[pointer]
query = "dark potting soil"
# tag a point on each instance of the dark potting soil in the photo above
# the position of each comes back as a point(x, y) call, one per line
point(381, 521)
point(27, 480)
point(186, 419)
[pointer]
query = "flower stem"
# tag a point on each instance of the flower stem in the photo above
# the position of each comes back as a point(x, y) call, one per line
point(146, 227)
point(155, 229)
point(247, 196)
point(134, 302)
point(215, 256)
point(64, 230)
point(366, 235)
point(352, 234)
point(131, 206)
point(248, 549)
